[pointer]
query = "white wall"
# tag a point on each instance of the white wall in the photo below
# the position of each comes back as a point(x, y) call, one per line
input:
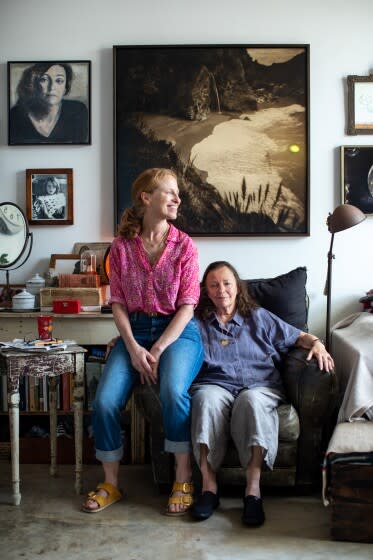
point(339, 34)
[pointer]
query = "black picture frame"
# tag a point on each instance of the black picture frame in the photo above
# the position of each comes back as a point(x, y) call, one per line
point(54, 207)
point(249, 101)
point(357, 177)
point(360, 104)
point(49, 102)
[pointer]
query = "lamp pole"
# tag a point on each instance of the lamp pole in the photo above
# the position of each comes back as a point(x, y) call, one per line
point(343, 217)
point(328, 292)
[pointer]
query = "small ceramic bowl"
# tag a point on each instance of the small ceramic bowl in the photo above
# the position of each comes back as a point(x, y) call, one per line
point(34, 285)
point(23, 301)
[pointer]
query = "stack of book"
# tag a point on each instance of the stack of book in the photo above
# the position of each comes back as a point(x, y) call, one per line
point(36, 345)
point(3, 394)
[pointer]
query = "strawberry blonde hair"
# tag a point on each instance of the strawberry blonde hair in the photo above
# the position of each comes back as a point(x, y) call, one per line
point(131, 221)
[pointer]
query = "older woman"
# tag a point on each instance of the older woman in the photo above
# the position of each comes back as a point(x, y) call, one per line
point(154, 287)
point(239, 386)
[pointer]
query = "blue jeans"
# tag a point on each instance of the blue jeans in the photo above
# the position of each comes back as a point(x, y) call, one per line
point(178, 366)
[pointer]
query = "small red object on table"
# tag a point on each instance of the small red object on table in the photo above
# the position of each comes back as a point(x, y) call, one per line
point(66, 306)
point(45, 327)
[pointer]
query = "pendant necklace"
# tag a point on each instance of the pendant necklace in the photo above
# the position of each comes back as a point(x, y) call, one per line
point(154, 252)
point(224, 341)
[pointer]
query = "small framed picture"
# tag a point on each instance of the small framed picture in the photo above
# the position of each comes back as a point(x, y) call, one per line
point(360, 104)
point(49, 102)
point(357, 177)
point(49, 197)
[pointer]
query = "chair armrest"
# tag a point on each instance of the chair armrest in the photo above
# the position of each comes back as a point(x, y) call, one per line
point(314, 395)
point(306, 386)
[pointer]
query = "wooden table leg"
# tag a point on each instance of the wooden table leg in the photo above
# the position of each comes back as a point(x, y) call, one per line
point(137, 435)
point(53, 423)
point(13, 404)
point(78, 397)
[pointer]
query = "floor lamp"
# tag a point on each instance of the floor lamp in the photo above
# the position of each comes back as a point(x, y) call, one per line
point(343, 217)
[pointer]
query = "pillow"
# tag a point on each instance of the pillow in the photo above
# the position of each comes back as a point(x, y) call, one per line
point(285, 296)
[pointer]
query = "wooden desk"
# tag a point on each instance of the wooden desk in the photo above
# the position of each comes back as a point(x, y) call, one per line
point(41, 364)
point(85, 328)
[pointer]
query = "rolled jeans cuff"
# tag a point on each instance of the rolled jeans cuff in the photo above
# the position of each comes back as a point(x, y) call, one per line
point(177, 446)
point(109, 456)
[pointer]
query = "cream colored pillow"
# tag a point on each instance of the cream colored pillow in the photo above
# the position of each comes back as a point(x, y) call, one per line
point(352, 437)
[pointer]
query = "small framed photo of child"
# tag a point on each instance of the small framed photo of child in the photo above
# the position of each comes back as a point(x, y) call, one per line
point(49, 197)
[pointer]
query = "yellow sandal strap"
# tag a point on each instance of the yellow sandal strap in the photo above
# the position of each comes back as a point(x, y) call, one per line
point(185, 487)
point(113, 494)
point(101, 500)
point(185, 500)
point(112, 491)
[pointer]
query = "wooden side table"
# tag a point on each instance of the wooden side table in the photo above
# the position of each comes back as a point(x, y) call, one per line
point(87, 328)
point(40, 364)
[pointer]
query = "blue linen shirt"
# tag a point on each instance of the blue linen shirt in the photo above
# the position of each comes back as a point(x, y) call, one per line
point(245, 353)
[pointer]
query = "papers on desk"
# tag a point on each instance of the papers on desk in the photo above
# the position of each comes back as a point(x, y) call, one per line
point(36, 345)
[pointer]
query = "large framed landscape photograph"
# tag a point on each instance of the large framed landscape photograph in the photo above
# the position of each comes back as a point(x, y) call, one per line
point(231, 121)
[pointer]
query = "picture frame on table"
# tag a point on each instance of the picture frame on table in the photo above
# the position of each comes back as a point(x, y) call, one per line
point(357, 177)
point(49, 102)
point(360, 104)
point(232, 121)
point(101, 250)
point(49, 197)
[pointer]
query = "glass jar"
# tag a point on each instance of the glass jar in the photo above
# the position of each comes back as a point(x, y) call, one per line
point(88, 262)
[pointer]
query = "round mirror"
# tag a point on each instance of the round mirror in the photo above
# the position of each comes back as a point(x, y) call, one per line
point(14, 234)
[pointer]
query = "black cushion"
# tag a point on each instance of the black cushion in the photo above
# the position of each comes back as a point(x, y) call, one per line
point(285, 296)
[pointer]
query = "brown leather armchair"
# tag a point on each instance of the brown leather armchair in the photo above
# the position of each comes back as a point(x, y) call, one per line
point(304, 420)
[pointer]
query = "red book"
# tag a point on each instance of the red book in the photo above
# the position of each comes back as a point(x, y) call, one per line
point(65, 382)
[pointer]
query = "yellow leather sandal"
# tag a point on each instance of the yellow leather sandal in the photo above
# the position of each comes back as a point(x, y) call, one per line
point(185, 499)
point(113, 495)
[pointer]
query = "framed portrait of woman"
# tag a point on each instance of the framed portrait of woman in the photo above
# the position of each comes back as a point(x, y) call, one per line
point(49, 197)
point(49, 102)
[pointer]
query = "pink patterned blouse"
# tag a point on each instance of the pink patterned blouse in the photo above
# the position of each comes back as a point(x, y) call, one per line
point(163, 287)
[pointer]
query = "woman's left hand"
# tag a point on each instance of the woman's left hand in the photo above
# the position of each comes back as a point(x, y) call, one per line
point(156, 353)
point(324, 359)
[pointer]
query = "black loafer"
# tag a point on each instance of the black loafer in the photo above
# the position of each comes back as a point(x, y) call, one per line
point(204, 506)
point(253, 514)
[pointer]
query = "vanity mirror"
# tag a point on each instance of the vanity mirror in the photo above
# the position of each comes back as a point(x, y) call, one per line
point(15, 238)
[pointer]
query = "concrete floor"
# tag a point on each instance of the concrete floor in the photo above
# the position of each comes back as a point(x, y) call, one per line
point(49, 524)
